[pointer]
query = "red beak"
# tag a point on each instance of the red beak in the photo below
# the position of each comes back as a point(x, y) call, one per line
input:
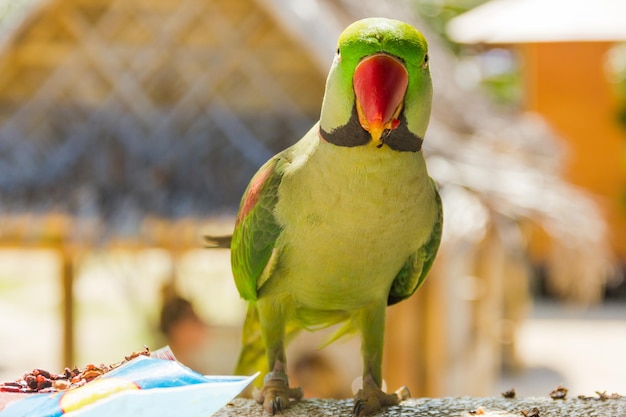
point(380, 82)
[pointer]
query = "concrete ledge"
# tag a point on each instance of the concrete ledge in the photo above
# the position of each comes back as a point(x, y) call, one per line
point(446, 407)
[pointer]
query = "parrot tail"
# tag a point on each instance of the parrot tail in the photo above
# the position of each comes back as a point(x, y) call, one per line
point(217, 242)
point(252, 357)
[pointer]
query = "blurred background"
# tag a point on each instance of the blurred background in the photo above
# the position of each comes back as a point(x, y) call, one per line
point(130, 128)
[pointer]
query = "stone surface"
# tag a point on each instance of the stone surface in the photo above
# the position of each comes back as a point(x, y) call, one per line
point(432, 407)
point(449, 407)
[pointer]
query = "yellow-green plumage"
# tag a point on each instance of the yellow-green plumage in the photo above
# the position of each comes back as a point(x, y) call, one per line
point(332, 233)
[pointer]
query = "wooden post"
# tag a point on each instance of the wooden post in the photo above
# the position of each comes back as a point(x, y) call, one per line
point(67, 285)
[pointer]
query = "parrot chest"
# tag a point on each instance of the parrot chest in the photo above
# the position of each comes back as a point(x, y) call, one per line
point(350, 223)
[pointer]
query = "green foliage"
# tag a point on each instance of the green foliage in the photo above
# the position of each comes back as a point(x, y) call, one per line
point(502, 83)
point(11, 9)
point(505, 87)
point(437, 14)
point(616, 69)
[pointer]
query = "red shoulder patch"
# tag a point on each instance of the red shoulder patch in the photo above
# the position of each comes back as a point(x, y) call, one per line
point(254, 192)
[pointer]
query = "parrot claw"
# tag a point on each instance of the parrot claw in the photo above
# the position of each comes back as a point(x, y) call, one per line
point(371, 399)
point(276, 394)
point(403, 393)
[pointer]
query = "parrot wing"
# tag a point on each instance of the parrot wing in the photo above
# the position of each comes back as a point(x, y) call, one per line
point(418, 265)
point(253, 247)
point(254, 255)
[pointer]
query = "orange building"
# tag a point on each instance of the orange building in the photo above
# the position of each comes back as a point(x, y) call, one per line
point(566, 83)
point(564, 47)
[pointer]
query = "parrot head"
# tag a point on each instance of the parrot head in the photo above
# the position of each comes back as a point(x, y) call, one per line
point(378, 91)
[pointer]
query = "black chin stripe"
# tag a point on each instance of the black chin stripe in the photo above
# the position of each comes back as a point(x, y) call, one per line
point(403, 140)
point(352, 134)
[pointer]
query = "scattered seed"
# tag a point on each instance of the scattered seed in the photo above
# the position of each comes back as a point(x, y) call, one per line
point(602, 396)
point(509, 394)
point(40, 380)
point(532, 413)
point(559, 393)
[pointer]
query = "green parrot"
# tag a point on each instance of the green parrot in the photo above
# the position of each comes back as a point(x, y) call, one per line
point(346, 221)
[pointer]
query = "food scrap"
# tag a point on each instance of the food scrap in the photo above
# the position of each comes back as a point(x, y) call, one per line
point(532, 413)
point(510, 394)
point(559, 393)
point(41, 381)
point(478, 412)
point(601, 396)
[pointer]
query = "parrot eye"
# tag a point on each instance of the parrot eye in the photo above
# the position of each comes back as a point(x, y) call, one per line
point(425, 64)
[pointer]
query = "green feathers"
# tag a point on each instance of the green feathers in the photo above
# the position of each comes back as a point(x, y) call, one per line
point(254, 243)
point(256, 230)
point(414, 272)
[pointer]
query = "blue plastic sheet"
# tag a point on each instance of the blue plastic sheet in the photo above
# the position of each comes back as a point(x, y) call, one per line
point(145, 386)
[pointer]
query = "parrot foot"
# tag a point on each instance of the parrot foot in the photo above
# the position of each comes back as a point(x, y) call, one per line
point(371, 399)
point(276, 394)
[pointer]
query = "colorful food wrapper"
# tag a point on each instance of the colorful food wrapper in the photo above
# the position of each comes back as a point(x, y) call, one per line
point(145, 386)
